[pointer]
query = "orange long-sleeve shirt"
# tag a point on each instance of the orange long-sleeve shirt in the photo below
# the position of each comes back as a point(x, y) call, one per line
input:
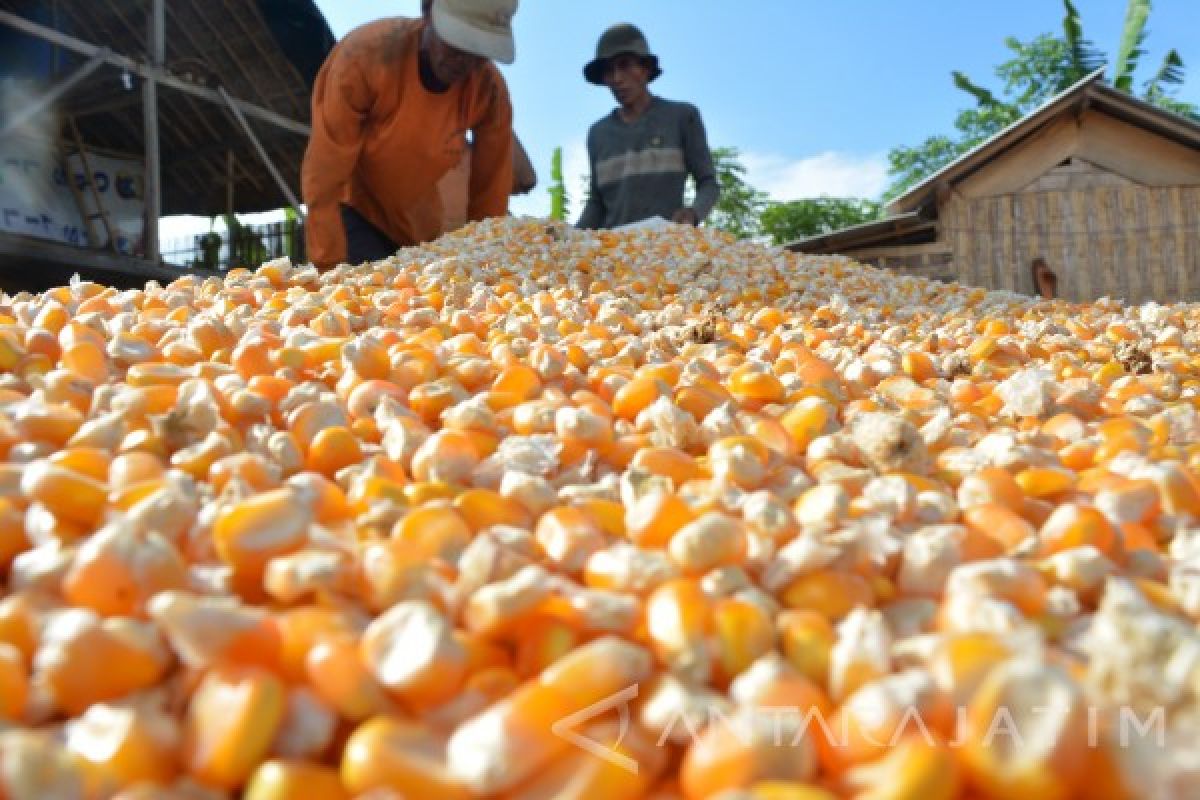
point(381, 141)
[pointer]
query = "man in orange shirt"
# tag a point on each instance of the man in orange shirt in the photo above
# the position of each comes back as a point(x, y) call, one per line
point(391, 110)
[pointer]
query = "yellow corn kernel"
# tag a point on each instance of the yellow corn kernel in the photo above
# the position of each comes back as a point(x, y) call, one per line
point(401, 756)
point(14, 683)
point(829, 593)
point(1045, 481)
point(232, 719)
point(126, 746)
point(743, 632)
point(1037, 698)
point(71, 496)
point(256, 530)
point(411, 650)
point(294, 780)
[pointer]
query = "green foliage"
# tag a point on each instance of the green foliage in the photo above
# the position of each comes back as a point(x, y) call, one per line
point(982, 96)
point(210, 249)
point(909, 165)
point(1170, 73)
point(787, 222)
point(1130, 50)
point(291, 223)
point(1036, 71)
point(245, 246)
point(740, 206)
point(558, 188)
point(1083, 56)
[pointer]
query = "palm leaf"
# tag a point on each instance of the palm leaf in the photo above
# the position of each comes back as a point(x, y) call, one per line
point(982, 95)
point(1169, 74)
point(1084, 56)
point(1133, 33)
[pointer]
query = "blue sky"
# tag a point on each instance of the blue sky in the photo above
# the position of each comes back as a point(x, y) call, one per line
point(813, 93)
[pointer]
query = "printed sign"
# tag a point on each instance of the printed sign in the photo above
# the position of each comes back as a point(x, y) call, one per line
point(35, 199)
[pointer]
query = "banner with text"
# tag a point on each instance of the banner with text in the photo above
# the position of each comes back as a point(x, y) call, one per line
point(35, 199)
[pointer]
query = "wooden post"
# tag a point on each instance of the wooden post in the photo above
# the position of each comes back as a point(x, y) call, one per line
point(157, 39)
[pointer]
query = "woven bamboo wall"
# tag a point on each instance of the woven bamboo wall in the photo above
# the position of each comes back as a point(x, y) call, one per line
point(1123, 240)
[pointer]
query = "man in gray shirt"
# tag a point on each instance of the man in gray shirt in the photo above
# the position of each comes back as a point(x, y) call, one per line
point(642, 153)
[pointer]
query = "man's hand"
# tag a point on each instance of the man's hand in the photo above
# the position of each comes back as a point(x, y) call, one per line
point(685, 216)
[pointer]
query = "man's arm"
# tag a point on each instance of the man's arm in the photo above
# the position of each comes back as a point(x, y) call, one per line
point(342, 99)
point(699, 162)
point(492, 157)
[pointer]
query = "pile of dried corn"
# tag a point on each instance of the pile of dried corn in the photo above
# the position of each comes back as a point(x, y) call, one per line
point(379, 532)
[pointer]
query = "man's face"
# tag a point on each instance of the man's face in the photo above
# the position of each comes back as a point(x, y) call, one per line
point(627, 76)
point(450, 64)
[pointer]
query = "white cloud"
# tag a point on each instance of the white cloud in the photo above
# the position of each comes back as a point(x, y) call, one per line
point(830, 173)
point(534, 204)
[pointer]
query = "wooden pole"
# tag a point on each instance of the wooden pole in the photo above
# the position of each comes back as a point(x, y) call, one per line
point(156, 36)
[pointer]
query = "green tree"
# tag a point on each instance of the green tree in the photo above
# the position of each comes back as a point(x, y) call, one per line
point(1036, 71)
point(740, 205)
point(787, 222)
point(246, 248)
point(291, 233)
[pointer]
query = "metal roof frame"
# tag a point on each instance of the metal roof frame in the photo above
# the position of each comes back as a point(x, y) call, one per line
point(257, 51)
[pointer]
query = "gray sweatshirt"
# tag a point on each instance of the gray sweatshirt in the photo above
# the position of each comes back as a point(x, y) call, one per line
point(639, 170)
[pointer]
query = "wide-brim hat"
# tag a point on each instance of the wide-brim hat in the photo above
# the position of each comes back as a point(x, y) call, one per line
point(620, 40)
point(481, 27)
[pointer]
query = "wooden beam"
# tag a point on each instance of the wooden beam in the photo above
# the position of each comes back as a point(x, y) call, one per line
point(24, 249)
point(90, 177)
point(1137, 154)
point(1025, 162)
point(262, 153)
point(899, 250)
point(157, 41)
point(222, 39)
point(44, 101)
point(164, 119)
point(182, 29)
point(149, 72)
point(64, 158)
